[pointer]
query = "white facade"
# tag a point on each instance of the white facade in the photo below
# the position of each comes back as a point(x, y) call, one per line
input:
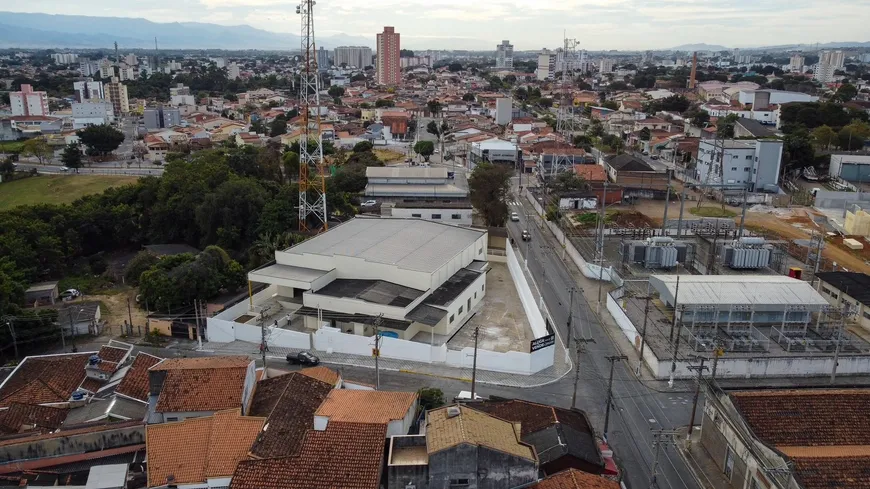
point(88, 90)
point(796, 62)
point(233, 71)
point(355, 56)
point(176, 100)
point(65, 58)
point(460, 216)
point(28, 102)
point(773, 97)
point(606, 65)
point(824, 73)
point(763, 116)
point(837, 59)
point(546, 65)
point(755, 163)
point(503, 111)
point(92, 113)
point(504, 55)
point(107, 69)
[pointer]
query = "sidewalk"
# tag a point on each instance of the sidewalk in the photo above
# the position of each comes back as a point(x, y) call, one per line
point(546, 376)
point(704, 469)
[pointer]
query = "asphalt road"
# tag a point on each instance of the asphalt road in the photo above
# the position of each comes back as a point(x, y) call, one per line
point(639, 407)
point(106, 168)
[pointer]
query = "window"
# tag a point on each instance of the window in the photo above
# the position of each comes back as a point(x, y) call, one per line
point(170, 419)
point(436, 216)
point(475, 295)
point(729, 463)
point(460, 309)
point(458, 482)
point(480, 250)
point(469, 303)
point(416, 215)
point(866, 314)
point(745, 168)
point(733, 168)
point(749, 157)
point(455, 216)
point(451, 319)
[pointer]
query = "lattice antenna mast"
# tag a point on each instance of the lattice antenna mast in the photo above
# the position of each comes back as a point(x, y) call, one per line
point(565, 124)
point(312, 188)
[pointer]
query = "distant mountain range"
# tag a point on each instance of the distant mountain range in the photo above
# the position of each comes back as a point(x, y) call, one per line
point(26, 30)
point(782, 47)
point(700, 47)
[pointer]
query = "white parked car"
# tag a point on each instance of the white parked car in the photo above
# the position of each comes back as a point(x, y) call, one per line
point(515, 217)
point(368, 203)
point(70, 294)
point(64, 168)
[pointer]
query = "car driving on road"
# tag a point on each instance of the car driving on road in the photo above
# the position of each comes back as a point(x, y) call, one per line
point(515, 217)
point(303, 358)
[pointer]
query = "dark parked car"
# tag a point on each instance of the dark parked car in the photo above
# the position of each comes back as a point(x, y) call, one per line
point(526, 235)
point(302, 358)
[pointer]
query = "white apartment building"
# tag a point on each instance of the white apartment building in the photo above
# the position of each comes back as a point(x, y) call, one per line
point(89, 68)
point(219, 62)
point(796, 63)
point(89, 90)
point(824, 73)
point(504, 55)
point(28, 102)
point(606, 65)
point(131, 59)
point(352, 56)
point(410, 275)
point(65, 58)
point(740, 161)
point(116, 93)
point(107, 69)
point(92, 113)
point(233, 71)
point(127, 73)
point(837, 59)
point(546, 65)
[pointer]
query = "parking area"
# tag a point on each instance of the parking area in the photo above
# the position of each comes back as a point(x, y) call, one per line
point(503, 325)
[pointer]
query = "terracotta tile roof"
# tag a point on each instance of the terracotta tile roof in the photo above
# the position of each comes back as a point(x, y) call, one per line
point(321, 373)
point(344, 456)
point(591, 173)
point(360, 406)
point(195, 449)
point(135, 383)
point(230, 361)
point(65, 433)
point(112, 354)
point(25, 417)
point(807, 417)
point(825, 473)
point(476, 428)
point(575, 479)
point(91, 385)
point(205, 389)
point(827, 451)
point(44, 379)
point(534, 417)
point(289, 403)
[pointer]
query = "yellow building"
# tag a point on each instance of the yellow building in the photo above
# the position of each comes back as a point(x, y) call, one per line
point(857, 223)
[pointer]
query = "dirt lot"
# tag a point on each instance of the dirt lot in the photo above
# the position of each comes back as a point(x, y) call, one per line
point(797, 226)
point(116, 313)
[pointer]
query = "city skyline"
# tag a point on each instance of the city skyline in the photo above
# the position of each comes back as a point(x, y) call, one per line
point(601, 24)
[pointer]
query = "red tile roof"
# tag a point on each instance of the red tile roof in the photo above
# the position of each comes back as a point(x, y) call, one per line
point(196, 390)
point(135, 383)
point(362, 406)
point(112, 354)
point(44, 379)
point(591, 173)
point(344, 456)
point(289, 403)
point(26, 417)
point(575, 479)
point(321, 373)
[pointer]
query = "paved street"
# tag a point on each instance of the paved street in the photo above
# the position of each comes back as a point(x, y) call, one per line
point(104, 168)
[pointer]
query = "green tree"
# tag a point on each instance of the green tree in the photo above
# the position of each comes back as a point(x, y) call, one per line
point(824, 136)
point(583, 141)
point(434, 107)
point(468, 97)
point(697, 117)
point(430, 398)
point(102, 139)
point(362, 146)
point(853, 136)
point(278, 126)
point(725, 126)
point(142, 262)
point(846, 92)
point(72, 156)
point(335, 91)
point(645, 134)
point(7, 168)
point(440, 131)
point(38, 148)
point(454, 67)
point(798, 149)
point(424, 149)
point(385, 102)
point(489, 187)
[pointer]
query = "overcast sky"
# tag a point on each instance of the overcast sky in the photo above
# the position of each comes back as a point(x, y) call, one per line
point(529, 24)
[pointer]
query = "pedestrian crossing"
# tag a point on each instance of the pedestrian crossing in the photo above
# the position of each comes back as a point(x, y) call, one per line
point(514, 203)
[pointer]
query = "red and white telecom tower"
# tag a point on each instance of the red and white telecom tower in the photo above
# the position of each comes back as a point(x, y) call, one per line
point(312, 188)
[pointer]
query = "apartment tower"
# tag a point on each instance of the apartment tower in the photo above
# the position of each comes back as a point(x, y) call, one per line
point(504, 55)
point(389, 71)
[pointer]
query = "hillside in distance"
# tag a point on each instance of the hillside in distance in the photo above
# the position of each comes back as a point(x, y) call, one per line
point(33, 30)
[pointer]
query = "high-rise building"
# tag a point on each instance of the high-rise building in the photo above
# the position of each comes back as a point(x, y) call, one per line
point(127, 73)
point(131, 59)
point(233, 71)
point(504, 55)
point(92, 113)
point(356, 56)
point(89, 68)
point(161, 118)
point(107, 69)
point(28, 102)
point(546, 65)
point(837, 59)
point(606, 65)
point(322, 59)
point(89, 90)
point(117, 94)
point(796, 62)
point(389, 71)
point(824, 73)
point(65, 58)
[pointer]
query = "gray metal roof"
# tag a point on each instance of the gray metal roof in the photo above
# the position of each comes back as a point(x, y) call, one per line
point(770, 290)
point(290, 272)
point(412, 244)
point(405, 172)
point(426, 314)
point(414, 190)
point(107, 476)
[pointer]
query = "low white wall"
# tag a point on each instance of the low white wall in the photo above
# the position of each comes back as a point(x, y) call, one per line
point(530, 306)
point(223, 331)
point(630, 331)
point(510, 362)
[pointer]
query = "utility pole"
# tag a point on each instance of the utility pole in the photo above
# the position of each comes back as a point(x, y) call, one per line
point(718, 351)
point(660, 437)
point(643, 335)
point(579, 345)
point(674, 322)
point(667, 204)
point(613, 359)
point(700, 368)
point(14, 337)
point(474, 364)
point(72, 330)
point(377, 351)
point(843, 313)
point(676, 350)
point(571, 317)
point(130, 315)
point(601, 247)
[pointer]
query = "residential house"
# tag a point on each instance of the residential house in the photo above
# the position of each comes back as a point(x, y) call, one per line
point(79, 318)
point(397, 121)
point(200, 453)
point(591, 173)
point(157, 147)
point(194, 387)
point(395, 410)
point(575, 479)
point(633, 173)
point(249, 138)
point(783, 439)
point(41, 293)
point(494, 150)
point(430, 280)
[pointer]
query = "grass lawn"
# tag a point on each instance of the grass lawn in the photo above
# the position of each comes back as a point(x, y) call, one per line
point(388, 155)
point(711, 212)
point(60, 189)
